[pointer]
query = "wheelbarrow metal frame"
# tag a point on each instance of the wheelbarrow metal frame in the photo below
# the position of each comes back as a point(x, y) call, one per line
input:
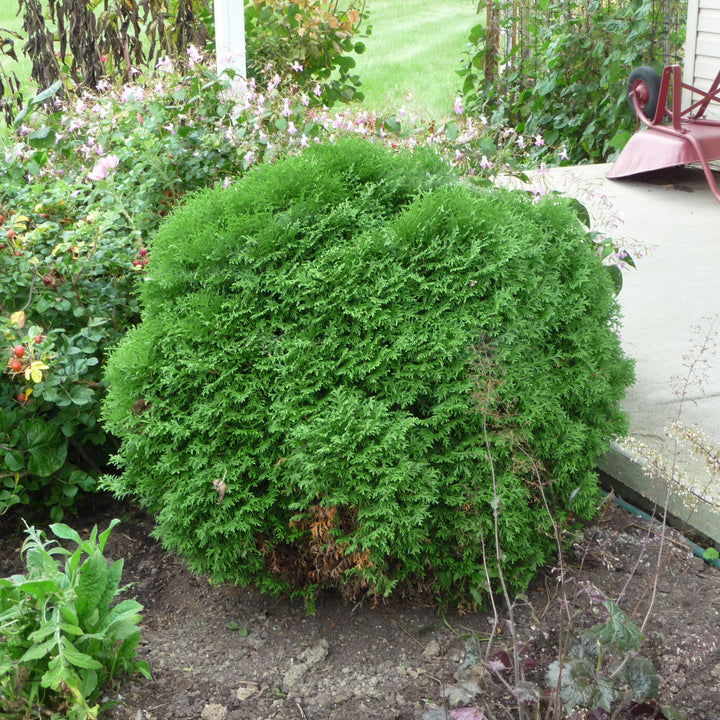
point(689, 137)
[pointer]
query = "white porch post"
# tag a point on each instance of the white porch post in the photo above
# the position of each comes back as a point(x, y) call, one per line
point(230, 36)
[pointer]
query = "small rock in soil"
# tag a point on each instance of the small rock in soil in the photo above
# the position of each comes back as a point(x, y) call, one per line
point(214, 711)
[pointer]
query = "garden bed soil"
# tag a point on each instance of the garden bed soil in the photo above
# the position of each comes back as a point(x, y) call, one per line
point(225, 653)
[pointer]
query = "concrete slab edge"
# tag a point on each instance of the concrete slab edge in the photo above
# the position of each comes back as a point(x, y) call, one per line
point(621, 472)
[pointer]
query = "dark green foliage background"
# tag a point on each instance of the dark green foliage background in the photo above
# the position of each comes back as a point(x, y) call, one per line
point(308, 337)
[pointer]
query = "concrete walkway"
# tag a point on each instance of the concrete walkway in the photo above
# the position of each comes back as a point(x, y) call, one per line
point(671, 324)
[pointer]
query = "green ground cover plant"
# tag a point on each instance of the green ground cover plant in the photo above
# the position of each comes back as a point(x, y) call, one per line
point(62, 637)
point(299, 406)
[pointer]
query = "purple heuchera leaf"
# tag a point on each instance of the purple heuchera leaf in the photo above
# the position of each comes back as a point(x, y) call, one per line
point(496, 665)
point(467, 713)
point(594, 594)
point(503, 658)
point(598, 714)
point(647, 709)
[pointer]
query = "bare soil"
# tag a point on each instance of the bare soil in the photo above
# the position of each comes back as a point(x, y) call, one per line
point(224, 653)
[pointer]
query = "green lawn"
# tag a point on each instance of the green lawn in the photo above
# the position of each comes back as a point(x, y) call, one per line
point(9, 20)
point(415, 49)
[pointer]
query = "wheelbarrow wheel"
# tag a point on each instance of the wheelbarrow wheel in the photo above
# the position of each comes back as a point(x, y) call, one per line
point(645, 82)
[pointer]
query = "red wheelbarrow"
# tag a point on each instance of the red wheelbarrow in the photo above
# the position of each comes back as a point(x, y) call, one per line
point(671, 136)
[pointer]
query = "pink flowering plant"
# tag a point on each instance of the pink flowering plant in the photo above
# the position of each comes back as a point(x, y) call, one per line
point(313, 41)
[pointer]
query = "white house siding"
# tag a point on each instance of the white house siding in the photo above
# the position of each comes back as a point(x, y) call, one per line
point(702, 48)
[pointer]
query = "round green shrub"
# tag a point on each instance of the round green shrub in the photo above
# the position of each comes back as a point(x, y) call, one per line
point(327, 352)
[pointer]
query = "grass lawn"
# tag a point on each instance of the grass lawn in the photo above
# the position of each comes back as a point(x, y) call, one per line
point(10, 20)
point(415, 49)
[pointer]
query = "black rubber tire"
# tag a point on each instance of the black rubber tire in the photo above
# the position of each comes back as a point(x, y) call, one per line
point(645, 81)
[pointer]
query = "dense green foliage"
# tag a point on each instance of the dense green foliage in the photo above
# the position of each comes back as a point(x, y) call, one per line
point(313, 40)
point(62, 637)
point(82, 187)
point(325, 350)
point(565, 77)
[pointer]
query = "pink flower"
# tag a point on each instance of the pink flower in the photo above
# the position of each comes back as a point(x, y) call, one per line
point(131, 92)
point(563, 154)
point(75, 124)
point(99, 172)
point(485, 163)
point(539, 140)
point(166, 65)
point(103, 167)
point(458, 106)
point(193, 55)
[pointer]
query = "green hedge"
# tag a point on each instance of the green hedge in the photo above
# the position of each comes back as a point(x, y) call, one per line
point(323, 353)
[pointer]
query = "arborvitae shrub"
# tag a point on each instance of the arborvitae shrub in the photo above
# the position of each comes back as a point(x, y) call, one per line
point(325, 354)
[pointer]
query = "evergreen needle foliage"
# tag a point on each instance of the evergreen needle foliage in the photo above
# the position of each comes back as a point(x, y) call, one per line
point(303, 405)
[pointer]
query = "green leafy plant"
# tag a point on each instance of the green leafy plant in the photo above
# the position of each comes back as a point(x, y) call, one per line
point(64, 297)
point(312, 40)
point(296, 407)
point(241, 629)
point(565, 66)
point(604, 670)
point(61, 637)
